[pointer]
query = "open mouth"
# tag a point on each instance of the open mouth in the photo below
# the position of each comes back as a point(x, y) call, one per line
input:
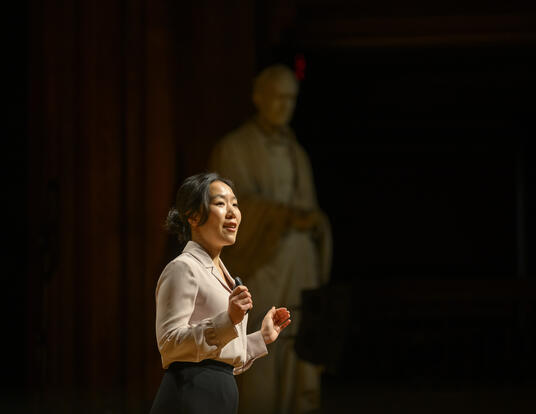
point(230, 227)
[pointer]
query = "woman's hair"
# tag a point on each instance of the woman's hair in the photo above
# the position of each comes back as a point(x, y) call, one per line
point(193, 197)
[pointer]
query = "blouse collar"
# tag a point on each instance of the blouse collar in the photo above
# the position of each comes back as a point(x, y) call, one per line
point(197, 251)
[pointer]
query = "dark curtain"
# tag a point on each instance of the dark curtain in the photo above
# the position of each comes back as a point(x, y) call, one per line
point(125, 100)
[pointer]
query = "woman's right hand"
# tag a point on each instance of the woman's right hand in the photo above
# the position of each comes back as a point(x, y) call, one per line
point(239, 303)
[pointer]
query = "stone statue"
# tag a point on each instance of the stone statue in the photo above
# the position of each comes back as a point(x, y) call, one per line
point(285, 241)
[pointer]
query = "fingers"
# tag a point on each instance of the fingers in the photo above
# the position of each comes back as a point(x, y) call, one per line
point(244, 303)
point(280, 317)
point(241, 298)
point(239, 303)
point(239, 289)
point(281, 314)
point(285, 324)
point(240, 293)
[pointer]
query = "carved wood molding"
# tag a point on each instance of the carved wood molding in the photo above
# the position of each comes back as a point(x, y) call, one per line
point(416, 31)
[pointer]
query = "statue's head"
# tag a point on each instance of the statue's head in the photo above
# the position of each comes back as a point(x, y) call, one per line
point(274, 94)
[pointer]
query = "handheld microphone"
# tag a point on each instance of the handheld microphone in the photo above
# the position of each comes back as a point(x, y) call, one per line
point(238, 282)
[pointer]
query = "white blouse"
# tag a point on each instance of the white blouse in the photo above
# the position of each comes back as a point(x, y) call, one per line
point(192, 323)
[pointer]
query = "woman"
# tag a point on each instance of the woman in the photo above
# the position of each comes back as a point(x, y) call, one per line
point(200, 311)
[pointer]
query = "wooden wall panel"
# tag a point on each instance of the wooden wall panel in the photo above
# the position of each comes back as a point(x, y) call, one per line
point(215, 51)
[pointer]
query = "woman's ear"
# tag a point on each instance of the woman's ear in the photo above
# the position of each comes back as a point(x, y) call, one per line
point(193, 220)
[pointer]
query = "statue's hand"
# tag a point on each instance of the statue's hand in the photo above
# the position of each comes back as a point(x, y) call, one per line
point(306, 220)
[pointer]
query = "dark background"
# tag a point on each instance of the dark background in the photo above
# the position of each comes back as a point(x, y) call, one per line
point(419, 120)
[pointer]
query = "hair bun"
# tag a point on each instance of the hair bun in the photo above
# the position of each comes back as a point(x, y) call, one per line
point(173, 222)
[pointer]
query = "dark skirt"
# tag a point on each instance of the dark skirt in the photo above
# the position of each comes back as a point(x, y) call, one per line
point(197, 388)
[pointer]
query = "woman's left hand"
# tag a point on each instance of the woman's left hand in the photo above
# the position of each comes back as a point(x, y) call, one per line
point(273, 323)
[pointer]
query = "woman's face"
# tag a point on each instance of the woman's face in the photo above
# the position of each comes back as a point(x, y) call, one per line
point(223, 220)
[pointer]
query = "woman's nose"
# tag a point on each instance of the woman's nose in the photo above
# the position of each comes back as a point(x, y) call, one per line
point(231, 211)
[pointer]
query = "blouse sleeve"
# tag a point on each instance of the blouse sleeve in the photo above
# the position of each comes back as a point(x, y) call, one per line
point(255, 348)
point(178, 339)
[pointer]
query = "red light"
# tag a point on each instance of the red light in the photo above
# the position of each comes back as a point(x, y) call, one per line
point(299, 66)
